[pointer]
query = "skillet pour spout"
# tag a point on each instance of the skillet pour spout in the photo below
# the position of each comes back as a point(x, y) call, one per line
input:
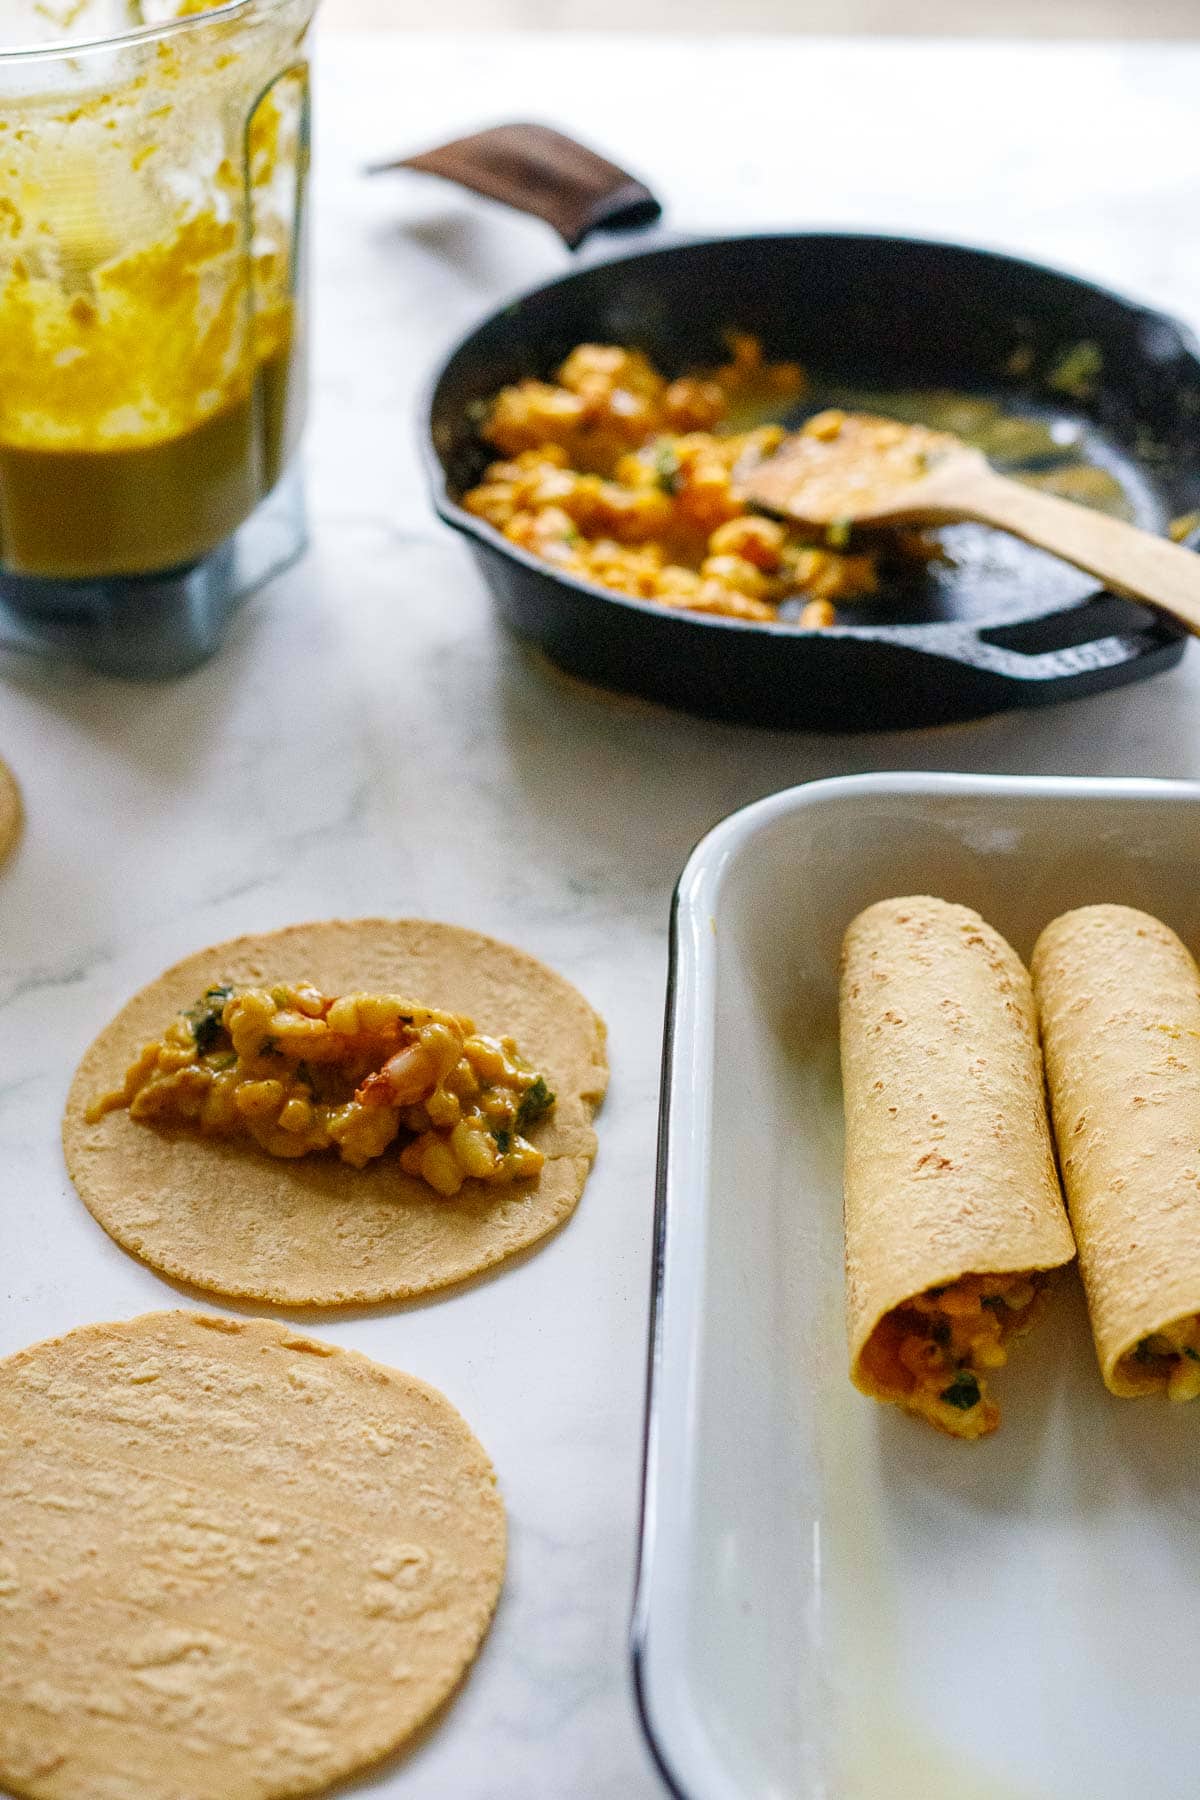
point(991, 623)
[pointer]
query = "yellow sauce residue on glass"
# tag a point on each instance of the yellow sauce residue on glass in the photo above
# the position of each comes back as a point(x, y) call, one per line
point(147, 331)
point(149, 347)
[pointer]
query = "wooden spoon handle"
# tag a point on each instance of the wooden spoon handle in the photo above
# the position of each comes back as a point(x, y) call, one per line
point(1133, 561)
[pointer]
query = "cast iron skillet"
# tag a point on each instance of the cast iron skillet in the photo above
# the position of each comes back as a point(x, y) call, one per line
point(1000, 625)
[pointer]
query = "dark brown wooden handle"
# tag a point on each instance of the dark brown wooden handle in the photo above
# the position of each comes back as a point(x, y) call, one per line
point(540, 171)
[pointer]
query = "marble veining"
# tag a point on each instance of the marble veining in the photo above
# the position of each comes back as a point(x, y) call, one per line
point(369, 741)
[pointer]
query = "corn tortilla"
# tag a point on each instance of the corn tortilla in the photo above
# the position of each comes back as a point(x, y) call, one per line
point(949, 1169)
point(1119, 997)
point(235, 1563)
point(225, 1216)
point(10, 810)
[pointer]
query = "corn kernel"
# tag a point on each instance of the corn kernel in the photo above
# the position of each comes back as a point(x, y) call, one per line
point(342, 1017)
point(443, 1046)
point(297, 1115)
point(461, 1080)
point(260, 1099)
point(523, 1161)
point(475, 1149)
point(378, 1013)
point(439, 1167)
point(443, 1109)
point(1183, 1380)
point(485, 1057)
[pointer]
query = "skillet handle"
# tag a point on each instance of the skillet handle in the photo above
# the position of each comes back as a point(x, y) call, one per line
point(539, 171)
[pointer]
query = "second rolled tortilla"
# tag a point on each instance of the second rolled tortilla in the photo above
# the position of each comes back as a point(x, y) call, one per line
point(952, 1204)
point(1119, 997)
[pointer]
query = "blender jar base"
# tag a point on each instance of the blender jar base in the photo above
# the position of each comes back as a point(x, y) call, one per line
point(151, 627)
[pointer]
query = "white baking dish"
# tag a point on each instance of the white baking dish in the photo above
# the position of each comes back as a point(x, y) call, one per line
point(834, 1603)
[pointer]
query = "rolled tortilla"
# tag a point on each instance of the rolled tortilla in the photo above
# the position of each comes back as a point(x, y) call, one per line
point(952, 1205)
point(1119, 998)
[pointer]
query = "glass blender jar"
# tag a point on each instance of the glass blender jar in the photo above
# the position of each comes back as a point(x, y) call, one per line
point(152, 176)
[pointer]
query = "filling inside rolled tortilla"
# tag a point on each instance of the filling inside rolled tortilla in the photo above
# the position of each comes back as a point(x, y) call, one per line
point(931, 1354)
point(1119, 997)
point(1168, 1359)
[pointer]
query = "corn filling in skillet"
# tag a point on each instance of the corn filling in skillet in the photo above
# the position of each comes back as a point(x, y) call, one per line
point(619, 476)
point(298, 1071)
point(931, 1355)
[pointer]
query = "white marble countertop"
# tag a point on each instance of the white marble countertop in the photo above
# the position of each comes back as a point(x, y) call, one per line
point(369, 741)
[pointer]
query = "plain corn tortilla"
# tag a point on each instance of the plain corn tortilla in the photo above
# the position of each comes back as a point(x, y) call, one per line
point(10, 810)
point(235, 1563)
point(949, 1169)
point(227, 1217)
point(1119, 997)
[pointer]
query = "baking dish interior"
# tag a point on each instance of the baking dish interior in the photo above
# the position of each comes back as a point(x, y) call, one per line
point(834, 1602)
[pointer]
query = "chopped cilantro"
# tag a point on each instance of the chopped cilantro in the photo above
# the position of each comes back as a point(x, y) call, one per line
point(667, 468)
point(963, 1391)
point(1077, 370)
point(995, 1301)
point(204, 1018)
point(1194, 1354)
point(503, 1139)
point(837, 533)
point(536, 1100)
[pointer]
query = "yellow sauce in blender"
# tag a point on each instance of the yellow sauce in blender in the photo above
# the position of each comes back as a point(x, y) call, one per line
point(150, 388)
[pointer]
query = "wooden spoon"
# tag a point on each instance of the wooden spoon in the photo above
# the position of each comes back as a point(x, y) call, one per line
point(855, 469)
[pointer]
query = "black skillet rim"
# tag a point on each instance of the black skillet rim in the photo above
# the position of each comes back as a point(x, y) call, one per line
point(915, 637)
